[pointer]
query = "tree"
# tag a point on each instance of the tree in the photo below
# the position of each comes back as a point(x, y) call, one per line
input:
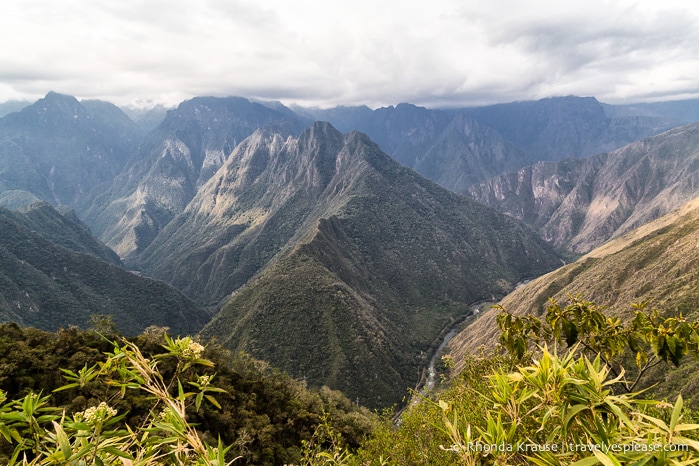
point(649, 338)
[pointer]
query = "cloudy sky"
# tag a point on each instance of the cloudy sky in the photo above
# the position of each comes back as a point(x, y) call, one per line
point(373, 52)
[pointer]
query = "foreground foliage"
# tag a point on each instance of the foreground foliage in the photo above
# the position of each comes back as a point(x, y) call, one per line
point(261, 414)
point(42, 434)
point(551, 406)
point(649, 338)
point(577, 405)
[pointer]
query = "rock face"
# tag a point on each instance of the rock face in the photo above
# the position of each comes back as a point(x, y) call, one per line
point(579, 204)
point(173, 162)
point(60, 150)
point(343, 266)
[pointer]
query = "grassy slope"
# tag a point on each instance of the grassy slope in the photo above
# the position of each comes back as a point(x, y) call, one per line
point(657, 262)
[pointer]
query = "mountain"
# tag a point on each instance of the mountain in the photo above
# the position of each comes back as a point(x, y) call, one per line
point(560, 127)
point(59, 149)
point(656, 262)
point(173, 162)
point(47, 285)
point(458, 148)
point(12, 106)
point(147, 118)
point(452, 149)
point(579, 204)
point(685, 111)
point(63, 228)
point(341, 266)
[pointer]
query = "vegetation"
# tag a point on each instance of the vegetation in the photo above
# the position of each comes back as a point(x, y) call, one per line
point(552, 407)
point(156, 399)
point(648, 338)
point(655, 263)
point(261, 414)
point(44, 435)
point(50, 277)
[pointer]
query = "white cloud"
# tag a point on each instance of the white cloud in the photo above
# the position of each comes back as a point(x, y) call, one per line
point(443, 52)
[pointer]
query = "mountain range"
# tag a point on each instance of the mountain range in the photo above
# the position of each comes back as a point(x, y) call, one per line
point(577, 204)
point(460, 147)
point(351, 264)
point(172, 163)
point(59, 149)
point(326, 252)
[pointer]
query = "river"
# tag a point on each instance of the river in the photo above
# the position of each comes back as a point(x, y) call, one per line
point(431, 369)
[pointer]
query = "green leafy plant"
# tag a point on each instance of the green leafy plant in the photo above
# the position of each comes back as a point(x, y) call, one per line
point(565, 401)
point(45, 435)
point(567, 413)
point(649, 338)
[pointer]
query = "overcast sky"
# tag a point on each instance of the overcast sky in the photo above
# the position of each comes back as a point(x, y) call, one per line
point(377, 52)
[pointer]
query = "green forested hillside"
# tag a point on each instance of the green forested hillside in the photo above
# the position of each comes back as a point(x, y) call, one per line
point(62, 228)
point(372, 261)
point(46, 285)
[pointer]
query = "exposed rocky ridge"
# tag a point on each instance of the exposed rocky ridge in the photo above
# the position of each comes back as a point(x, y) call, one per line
point(579, 204)
point(657, 263)
point(59, 149)
point(174, 161)
point(330, 235)
point(47, 285)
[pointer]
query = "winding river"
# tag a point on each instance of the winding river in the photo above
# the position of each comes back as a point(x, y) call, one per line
point(431, 369)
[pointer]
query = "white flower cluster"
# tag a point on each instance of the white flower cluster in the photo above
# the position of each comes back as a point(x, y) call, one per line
point(97, 414)
point(204, 380)
point(193, 350)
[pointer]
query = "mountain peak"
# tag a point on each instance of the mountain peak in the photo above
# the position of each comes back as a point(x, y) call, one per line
point(55, 109)
point(54, 98)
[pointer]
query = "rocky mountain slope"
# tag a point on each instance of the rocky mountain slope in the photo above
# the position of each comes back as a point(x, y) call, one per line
point(173, 162)
point(452, 149)
point(458, 148)
point(560, 127)
point(344, 266)
point(579, 204)
point(48, 285)
point(684, 111)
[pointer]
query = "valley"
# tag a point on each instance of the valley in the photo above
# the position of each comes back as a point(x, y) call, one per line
point(335, 244)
